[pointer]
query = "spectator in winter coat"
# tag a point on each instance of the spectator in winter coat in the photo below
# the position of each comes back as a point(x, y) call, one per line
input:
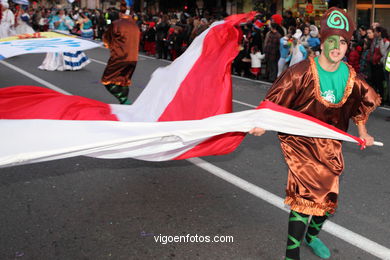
point(161, 36)
point(354, 57)
point(256, 58)
point(150, 39)
point(305, 36)
point(313, 41)
point(271, 51)
point(278, 19)
point(361, 35)
point(363, 63)
point(289, 20)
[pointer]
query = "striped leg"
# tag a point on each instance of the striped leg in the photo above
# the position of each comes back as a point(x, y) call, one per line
point(296, 229)
point(318, 247)
point(119, 92)
point(315, 227)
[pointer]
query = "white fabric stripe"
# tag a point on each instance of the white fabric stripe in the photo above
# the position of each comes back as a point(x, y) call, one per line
point(43, 140)
point(162, 86)
point(43, 45)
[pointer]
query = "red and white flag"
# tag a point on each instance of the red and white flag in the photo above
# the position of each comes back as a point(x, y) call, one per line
point(184, 111)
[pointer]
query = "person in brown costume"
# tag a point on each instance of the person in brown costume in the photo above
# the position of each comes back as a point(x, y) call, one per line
point(122, 38)
point(328, 89)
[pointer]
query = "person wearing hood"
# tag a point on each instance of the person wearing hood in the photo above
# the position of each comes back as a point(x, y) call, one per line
point(298, 51)
point(278, 19)
point(313, 41)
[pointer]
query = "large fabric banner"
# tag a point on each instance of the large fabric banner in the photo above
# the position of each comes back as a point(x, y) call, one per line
point(43, 42)
point(184, 111)
point(53, 126)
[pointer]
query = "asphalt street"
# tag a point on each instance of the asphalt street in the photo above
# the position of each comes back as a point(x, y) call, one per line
point(85, 208)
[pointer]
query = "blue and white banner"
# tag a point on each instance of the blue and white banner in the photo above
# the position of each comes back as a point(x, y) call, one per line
point(43, 43)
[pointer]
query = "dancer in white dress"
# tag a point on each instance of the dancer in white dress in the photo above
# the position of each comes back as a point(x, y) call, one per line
point(63, 60)
point(7, 20)
point(22, 22)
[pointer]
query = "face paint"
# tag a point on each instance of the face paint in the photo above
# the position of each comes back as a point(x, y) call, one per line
point(331, 43)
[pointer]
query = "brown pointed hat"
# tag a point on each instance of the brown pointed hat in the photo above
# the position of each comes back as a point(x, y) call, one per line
point(336, 22)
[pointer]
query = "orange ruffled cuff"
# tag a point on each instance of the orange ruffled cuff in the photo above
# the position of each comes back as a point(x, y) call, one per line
point(308, 207)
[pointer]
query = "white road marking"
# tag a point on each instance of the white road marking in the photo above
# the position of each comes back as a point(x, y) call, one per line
point(336, 230)
point(330, 227)
point(98, 61)
point(33, 77)
point(243, 103)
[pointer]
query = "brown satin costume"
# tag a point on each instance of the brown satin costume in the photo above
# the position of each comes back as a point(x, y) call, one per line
point(122, 38)
point(314, 163)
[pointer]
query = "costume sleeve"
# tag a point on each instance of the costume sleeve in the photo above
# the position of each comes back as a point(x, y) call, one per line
point(303, 50)
point(107, 36)
point(284, 91)
point(369, 101)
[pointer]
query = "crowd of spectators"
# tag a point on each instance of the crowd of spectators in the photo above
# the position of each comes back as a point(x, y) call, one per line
point(268, 46)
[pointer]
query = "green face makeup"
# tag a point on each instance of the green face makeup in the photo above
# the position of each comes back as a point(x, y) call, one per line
point(331, 43)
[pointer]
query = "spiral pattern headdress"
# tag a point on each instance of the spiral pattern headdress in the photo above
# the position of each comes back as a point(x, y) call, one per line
point(336, 22)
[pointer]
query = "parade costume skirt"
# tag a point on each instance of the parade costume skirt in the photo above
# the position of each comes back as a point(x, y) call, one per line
point(119, 73)
point(313, 177)
point(23, 28)
point(87, 34)
point(256, 71)
point(64, 61)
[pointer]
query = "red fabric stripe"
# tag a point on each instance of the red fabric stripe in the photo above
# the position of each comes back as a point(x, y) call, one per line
point(206, 90)
point(275, 107)
point(31, 102)
point(217, 145)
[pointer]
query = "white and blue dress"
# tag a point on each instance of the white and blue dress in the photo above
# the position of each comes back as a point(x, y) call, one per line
point(64, 60)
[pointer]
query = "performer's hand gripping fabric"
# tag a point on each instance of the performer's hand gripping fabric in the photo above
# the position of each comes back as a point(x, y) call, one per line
point(257, 131)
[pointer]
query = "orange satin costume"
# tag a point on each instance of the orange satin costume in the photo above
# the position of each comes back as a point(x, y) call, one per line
point(315, 163)
point(122, 38)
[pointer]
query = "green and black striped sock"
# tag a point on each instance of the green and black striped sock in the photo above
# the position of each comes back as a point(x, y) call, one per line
point(315, 226)
point(119, 92)
point(296, 229)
